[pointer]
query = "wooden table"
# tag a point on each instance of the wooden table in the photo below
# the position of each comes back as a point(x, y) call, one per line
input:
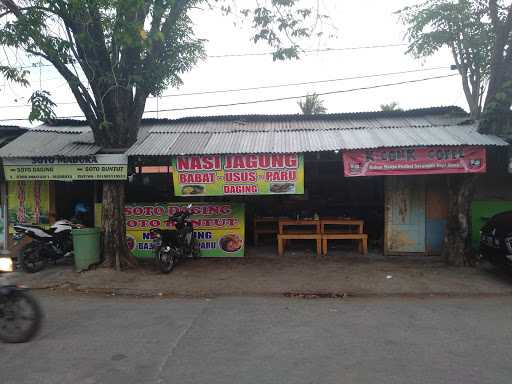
point(303, 230)
point(344, 234)
point(350, 223)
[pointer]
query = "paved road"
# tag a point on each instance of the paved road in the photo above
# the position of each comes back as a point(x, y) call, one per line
point(88, 340)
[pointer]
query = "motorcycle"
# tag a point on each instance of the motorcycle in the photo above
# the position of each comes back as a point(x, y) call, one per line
point(173, 245)
point(53, 244)
point(20, 313)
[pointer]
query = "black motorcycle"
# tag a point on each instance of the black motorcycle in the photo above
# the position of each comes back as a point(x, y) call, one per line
point(171, 246)
point(53, 244)
point(20, 313)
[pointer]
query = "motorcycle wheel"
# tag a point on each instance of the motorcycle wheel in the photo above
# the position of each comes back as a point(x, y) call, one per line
point(31, 259)
point(20, 317)
point(195, 250)
point(167, 260)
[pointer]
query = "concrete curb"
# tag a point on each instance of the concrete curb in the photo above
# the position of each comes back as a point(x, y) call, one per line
point(302, 295)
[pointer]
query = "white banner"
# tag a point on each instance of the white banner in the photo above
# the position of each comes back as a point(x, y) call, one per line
point(68, 168)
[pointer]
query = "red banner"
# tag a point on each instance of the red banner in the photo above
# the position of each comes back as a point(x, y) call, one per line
point(414, 161)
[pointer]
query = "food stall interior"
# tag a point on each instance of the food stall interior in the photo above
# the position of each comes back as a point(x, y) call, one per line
point(69, 194)
point(328, 194)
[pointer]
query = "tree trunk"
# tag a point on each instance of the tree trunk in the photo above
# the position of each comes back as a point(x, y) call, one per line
point(457, 241)
point(115, 249)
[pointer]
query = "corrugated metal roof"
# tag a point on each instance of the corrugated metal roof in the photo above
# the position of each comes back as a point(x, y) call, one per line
point(239, 124)
point(51, 141)
point(41, 143)
point(312, 140)
point(61, 129)
point(265, 134)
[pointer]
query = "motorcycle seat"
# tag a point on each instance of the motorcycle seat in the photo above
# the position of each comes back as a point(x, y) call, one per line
point(34, 226)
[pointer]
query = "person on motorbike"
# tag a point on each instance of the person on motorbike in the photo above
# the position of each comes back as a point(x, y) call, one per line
point(20, 313)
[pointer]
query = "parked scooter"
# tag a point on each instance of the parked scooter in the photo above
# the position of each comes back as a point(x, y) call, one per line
point(173, 245)
point(20, 313)
point(47, 245)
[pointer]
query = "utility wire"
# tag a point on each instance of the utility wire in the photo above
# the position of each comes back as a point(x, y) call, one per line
point(272, 100)
point(249, 54)
point(320, 50)
point(305, 82)
point(267, 86)
point(302, 96)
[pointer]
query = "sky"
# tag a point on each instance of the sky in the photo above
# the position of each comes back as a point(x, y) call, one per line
point(358, 22)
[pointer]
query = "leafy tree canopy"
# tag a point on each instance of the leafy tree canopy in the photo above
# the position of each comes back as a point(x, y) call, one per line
point(312, 105)
point(129, 49)
point(464, 27)
point(393, 106)
point(113, 54)
point(479, 34)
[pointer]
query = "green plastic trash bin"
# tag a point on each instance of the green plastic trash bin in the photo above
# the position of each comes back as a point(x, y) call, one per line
point(86, 244)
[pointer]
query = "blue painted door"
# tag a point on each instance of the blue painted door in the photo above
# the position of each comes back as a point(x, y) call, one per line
point(405, 215)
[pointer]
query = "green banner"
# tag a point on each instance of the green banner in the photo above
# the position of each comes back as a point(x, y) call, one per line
point(28, 202)
point(218, 227)
point(68, 168)
point(222, 175)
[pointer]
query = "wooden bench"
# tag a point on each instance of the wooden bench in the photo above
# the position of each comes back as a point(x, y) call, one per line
point(301, 230)
point(362, 238)
point(282, 238)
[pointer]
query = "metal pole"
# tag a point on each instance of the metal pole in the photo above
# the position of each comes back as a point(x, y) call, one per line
point(5, 218)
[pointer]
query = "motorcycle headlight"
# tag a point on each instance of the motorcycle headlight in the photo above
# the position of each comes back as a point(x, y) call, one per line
point(6, 264)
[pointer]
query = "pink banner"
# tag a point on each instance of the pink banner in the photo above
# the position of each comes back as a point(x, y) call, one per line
point(414, 161)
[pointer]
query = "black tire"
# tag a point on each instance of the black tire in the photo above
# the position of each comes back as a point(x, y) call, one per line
point(195, 250)
point(11, 316)
point(167, 260)
point(31, 258)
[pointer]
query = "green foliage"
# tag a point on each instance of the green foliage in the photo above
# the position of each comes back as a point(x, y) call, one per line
point(130, 49)
point(462, 24)
point(497, 116)
point(280, 24)
point(42, 107)
point(393, 106)
point(312, 105)
point(15, 75)
point(465, 28)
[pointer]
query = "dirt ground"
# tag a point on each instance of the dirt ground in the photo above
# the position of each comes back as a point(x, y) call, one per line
point(298, 272)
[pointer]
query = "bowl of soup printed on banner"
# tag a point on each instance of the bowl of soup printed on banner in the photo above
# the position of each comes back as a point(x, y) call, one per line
point(231, 242)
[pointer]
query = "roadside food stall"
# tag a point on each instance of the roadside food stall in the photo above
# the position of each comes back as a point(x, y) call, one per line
point(416, 197)
point(377, 179)
point(49, 170)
